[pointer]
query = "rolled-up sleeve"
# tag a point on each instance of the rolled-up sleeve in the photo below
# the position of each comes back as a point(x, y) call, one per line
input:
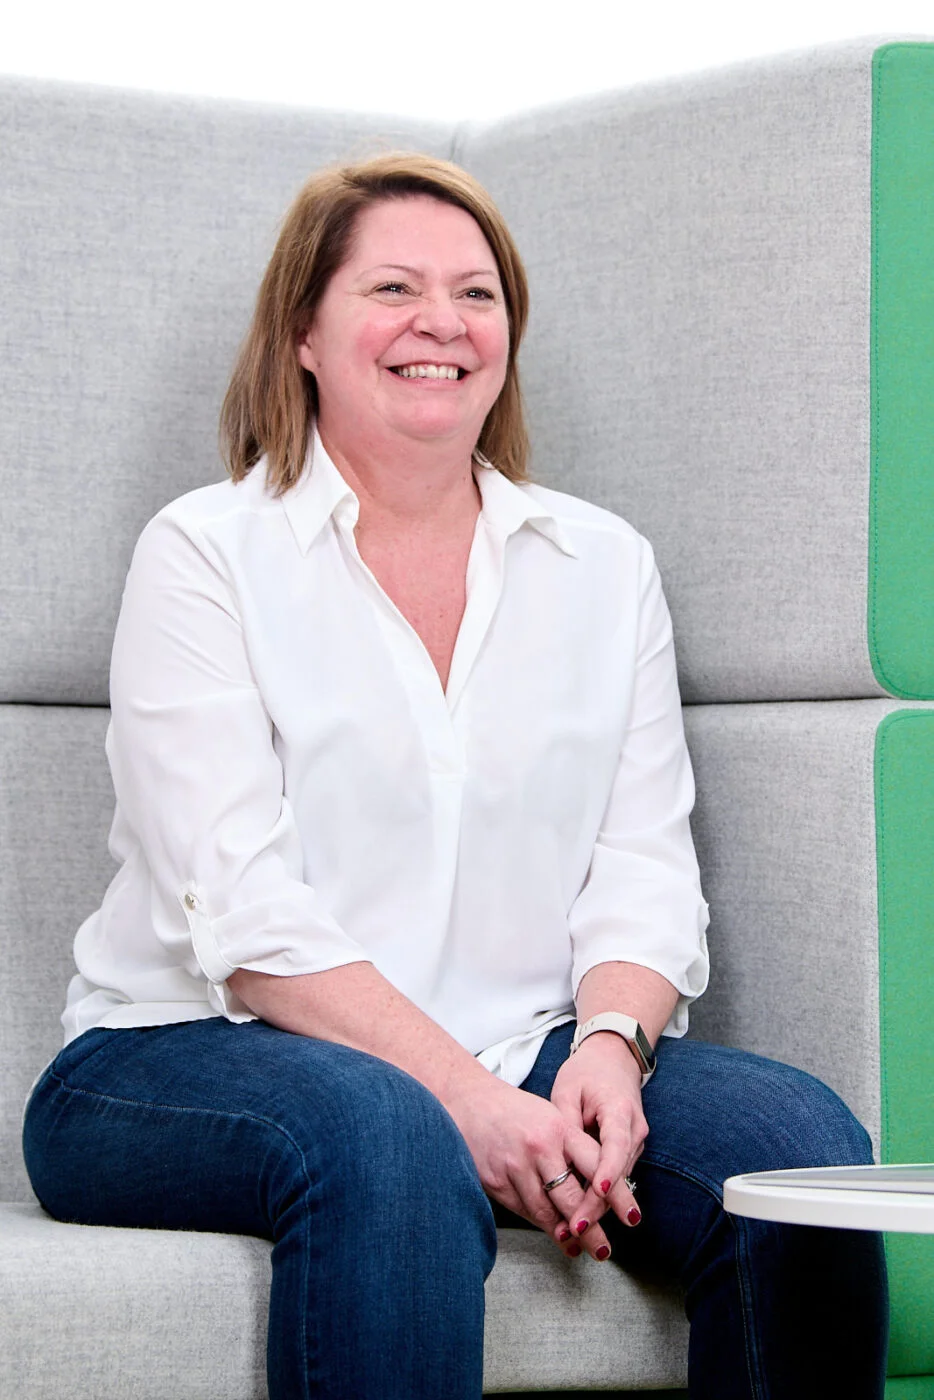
point(642, 901)
point(198, 782)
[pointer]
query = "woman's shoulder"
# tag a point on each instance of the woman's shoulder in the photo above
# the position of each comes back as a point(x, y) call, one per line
point(209, 513)
point(580, 516)
point(216, 501)
point(205, 526)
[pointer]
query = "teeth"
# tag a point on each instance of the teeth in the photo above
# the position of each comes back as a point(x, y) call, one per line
point(428, 371)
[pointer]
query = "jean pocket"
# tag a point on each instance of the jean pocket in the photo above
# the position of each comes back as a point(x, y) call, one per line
point(83, 1048)
point(76, 1054)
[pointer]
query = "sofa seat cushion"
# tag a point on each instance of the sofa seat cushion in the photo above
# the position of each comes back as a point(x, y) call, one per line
point(104, 1314)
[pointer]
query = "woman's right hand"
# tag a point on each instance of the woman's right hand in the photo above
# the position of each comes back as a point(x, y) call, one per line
point(518, 1141)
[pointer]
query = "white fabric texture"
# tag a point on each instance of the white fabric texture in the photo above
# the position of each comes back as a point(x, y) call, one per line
point(296, 792)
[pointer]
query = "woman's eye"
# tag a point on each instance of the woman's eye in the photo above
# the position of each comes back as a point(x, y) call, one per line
point(480, 293)
point(391, 287)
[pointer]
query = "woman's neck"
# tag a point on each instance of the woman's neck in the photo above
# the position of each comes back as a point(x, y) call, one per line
point(406, 484)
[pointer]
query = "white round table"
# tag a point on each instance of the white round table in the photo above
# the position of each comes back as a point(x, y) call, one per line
point(796, 1198)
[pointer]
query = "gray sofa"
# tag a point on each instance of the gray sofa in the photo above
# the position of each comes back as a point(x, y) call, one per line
point(731, 345)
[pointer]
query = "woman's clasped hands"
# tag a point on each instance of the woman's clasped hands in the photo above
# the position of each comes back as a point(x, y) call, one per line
point(593, 1125)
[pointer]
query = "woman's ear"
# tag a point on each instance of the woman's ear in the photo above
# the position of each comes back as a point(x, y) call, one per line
point(306, 356)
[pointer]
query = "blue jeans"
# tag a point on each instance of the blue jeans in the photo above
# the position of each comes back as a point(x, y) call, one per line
point(382, 1236)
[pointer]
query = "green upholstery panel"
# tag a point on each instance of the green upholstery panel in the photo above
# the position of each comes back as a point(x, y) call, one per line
point(910, 1388)
point(904, 781)
point(901, 559)
point(900, 608)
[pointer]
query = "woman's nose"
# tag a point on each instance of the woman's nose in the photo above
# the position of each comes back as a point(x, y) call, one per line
point(439, 318)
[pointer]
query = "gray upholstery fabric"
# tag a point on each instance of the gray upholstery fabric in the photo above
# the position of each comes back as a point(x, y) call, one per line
point(190, 1312)
point(56, 804)
point(133, 233)
point(785, 832)
point(698, 355)
point(553, 1325)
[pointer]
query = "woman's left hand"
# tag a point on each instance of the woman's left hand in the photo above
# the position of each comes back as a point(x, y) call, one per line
point(599, 1089)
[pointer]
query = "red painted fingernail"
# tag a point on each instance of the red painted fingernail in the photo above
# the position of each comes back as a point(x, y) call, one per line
point(573, 1250)
point(581, 1226)
point(605, 1185)
point(603, 1252)
point(633, 1215)
point(565, 1235)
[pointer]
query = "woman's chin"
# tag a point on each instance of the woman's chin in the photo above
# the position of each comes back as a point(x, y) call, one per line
point(434, 424)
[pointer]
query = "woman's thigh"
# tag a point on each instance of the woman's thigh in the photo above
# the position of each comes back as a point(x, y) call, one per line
point(208, 1125)
point(351, 1167)
point(716, 1111)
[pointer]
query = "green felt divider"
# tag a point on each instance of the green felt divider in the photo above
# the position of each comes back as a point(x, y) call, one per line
point(901, 518)
point(904, 787)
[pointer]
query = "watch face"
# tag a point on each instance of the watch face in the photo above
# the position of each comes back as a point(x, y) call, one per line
point(644, 1048)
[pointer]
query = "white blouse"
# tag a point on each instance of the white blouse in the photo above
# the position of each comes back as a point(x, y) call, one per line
point(296, 791)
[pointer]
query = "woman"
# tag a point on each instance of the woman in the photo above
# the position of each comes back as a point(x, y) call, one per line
point(402, 806)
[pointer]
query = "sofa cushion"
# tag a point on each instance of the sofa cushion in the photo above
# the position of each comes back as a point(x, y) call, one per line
point(172, 1315)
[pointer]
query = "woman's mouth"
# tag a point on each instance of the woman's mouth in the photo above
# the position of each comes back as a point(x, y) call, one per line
point(428, 371)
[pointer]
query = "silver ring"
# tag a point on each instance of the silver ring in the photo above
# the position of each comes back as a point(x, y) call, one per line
point(631, 1184)
point(558, 1181)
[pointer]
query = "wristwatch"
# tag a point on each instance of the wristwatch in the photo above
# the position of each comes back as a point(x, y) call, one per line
point(630, 1030)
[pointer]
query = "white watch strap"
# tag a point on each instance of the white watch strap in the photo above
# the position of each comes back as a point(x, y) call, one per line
point(619, 1024)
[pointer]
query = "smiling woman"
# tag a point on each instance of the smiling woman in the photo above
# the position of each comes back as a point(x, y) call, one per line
point(422, 359)
point(409, 903)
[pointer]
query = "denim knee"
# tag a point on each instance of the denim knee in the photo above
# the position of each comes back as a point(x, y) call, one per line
point(721, 1111)
point(370, 1139)
point(802, 1122)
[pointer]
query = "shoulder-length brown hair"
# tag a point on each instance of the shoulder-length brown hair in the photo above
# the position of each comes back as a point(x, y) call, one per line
point(271, 403)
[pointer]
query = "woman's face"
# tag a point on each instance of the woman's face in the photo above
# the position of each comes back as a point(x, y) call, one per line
point(411, 337)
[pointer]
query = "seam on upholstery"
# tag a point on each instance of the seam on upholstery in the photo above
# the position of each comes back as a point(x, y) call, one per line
point(458, 141)
point(875, 78)
point(887, 726)
point(55, 704)
point(881, 899)
point(877, 72)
